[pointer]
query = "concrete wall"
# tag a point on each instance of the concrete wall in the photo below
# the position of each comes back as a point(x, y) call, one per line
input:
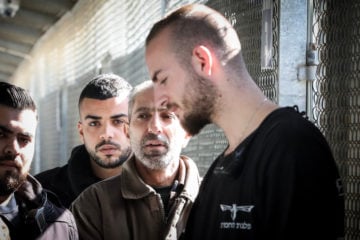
point(293, 36)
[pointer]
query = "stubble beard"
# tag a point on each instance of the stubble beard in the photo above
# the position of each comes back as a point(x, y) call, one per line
point(125, 154)
point(154, 160)
point(200, 102)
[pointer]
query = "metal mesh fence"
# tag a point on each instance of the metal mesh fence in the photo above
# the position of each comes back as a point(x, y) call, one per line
point(337, 95)
point(246, 17)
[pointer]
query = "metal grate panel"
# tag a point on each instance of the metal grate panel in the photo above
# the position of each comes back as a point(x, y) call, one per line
point(337, 95)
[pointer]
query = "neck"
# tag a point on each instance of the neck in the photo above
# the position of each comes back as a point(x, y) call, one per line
point(158, 178)
point(245, 110)
point(104, 173)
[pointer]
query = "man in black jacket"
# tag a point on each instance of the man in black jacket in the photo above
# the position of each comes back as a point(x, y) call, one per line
point(103, 129)
point(26, 210)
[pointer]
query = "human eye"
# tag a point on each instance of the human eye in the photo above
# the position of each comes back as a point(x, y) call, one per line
point(163, 81)
point(143, 116)
point(2, 134)
point(24, 140)
point(120, 122)
point(94, 124)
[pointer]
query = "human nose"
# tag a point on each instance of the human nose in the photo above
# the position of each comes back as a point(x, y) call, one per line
point(155, 125)
point(107, 132)
point(12, 147)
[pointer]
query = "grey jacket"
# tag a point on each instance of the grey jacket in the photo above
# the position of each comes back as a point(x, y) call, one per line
point(124, 207)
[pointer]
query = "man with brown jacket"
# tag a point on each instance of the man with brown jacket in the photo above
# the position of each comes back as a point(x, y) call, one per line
point(152, 197)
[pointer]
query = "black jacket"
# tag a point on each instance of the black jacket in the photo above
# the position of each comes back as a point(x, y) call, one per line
point(68, 181)
point(34, 213)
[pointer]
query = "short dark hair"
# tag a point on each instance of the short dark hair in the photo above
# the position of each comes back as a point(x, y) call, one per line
point(105, 86)
point(16, 97)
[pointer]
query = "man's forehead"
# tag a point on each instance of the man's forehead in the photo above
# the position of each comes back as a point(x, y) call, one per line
point(22, 122)
point(149, 103)
point(150, 108)
point(105, 104)
point(158, 46)
point(107, 109)
point(117, 99)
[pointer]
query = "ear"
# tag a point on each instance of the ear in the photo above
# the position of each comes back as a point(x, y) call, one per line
point(202, 60)
point(81, 132)
point(126, 130)
point(186, 140)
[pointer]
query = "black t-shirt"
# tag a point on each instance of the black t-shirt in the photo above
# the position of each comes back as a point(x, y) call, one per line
point(280, 183)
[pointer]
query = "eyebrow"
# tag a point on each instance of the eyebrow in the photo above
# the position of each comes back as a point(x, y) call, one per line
point(119, 115)
point(7, 130)
point(155, 76)
point(26, 134)
point(143, 109)
point(112, 117)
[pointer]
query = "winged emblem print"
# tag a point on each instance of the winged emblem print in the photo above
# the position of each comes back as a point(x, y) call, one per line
point(234, 209)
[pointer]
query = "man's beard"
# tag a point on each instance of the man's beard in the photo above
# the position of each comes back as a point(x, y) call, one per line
point(125, 153)
point(11, 180)
point(198, 105)
point(154, 160)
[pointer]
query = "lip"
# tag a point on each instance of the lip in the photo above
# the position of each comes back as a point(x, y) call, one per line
point(108, 149)
point(155, 144)
point(10, 164)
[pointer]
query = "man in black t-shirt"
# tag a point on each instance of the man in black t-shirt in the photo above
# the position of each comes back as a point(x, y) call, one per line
point(277, 178)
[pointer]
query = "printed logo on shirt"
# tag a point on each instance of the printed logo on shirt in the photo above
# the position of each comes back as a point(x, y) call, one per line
point(233, 210)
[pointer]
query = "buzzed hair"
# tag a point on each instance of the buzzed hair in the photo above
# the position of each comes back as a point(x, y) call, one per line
point(16, 97)
point(136, 90)
point(105, 86)
point(197, 24)
point(190, 25)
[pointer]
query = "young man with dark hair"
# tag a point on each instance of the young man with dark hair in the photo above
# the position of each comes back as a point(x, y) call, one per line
point(103, 129)
point(26, 210)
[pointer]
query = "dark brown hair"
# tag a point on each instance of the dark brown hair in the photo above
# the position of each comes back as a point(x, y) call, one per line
point(15, 97)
